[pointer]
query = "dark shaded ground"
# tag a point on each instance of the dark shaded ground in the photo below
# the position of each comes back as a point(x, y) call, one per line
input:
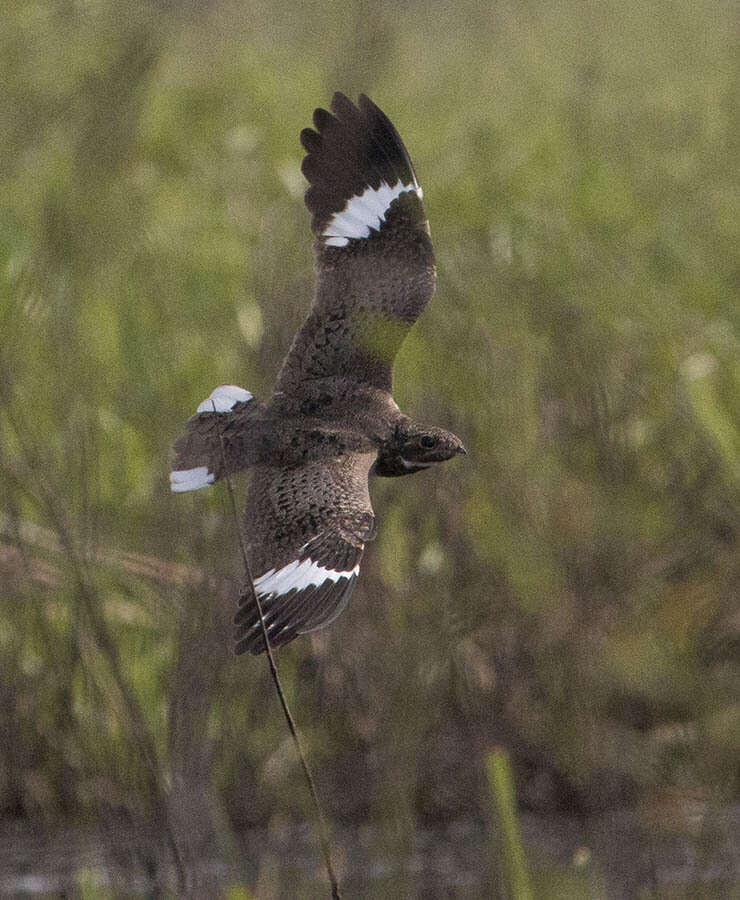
point(610, 856)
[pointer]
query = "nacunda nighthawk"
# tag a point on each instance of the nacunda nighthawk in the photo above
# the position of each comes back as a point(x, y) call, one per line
point(331, 421)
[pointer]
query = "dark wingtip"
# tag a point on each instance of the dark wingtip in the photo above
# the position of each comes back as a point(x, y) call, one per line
point(348, 150)
point(340, 102)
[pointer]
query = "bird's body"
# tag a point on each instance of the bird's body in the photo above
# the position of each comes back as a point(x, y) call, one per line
point(332, 420)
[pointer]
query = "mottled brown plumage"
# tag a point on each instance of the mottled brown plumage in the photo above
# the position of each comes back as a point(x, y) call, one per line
point(331, 421)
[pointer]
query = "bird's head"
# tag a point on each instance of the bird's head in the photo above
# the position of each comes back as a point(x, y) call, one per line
point(416, 447)
point(422, 445)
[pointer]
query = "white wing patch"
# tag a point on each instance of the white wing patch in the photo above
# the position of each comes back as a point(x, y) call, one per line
point(182, 480)
point(225, 397)
point(298, 576)
point(364, 213)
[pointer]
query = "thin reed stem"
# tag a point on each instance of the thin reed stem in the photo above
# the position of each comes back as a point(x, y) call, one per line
point(323, 832)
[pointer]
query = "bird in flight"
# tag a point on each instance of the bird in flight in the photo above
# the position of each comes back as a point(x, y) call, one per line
point(331, 421)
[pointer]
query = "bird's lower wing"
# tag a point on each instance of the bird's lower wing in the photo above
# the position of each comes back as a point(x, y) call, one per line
point(306, 529)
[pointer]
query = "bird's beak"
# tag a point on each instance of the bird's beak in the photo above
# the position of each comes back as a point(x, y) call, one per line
point(462, 450)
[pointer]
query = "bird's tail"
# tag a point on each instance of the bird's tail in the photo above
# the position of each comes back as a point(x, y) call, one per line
point(228, 415)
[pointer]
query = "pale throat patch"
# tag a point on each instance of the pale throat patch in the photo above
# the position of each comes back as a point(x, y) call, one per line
point(298, 576)
point(365, 212)
point(415, 465)
point(224, 398)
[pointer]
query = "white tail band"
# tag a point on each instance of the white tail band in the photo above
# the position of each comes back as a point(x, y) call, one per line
point(224, 398)
point(182, 480)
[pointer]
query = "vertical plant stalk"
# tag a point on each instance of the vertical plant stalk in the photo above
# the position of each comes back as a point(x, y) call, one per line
point(323, 832)
point(511, 850)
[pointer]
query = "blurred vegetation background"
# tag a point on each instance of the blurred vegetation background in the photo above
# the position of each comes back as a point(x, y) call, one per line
point(569, 591)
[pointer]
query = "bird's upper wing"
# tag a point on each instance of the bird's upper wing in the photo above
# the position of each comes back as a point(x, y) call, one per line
point(306, 528)
point(375, 261)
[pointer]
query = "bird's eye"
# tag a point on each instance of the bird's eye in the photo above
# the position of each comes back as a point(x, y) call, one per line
point(428, 441)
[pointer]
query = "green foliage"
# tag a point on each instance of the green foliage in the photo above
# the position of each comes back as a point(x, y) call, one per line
point(237, 892)
point(570, 587)
point(91, 885)
point(513, 857)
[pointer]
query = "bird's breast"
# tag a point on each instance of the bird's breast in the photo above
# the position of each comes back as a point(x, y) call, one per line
point(297, 440)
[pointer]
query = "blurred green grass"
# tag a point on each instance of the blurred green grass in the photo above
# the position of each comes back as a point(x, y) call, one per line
point(569, 591)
